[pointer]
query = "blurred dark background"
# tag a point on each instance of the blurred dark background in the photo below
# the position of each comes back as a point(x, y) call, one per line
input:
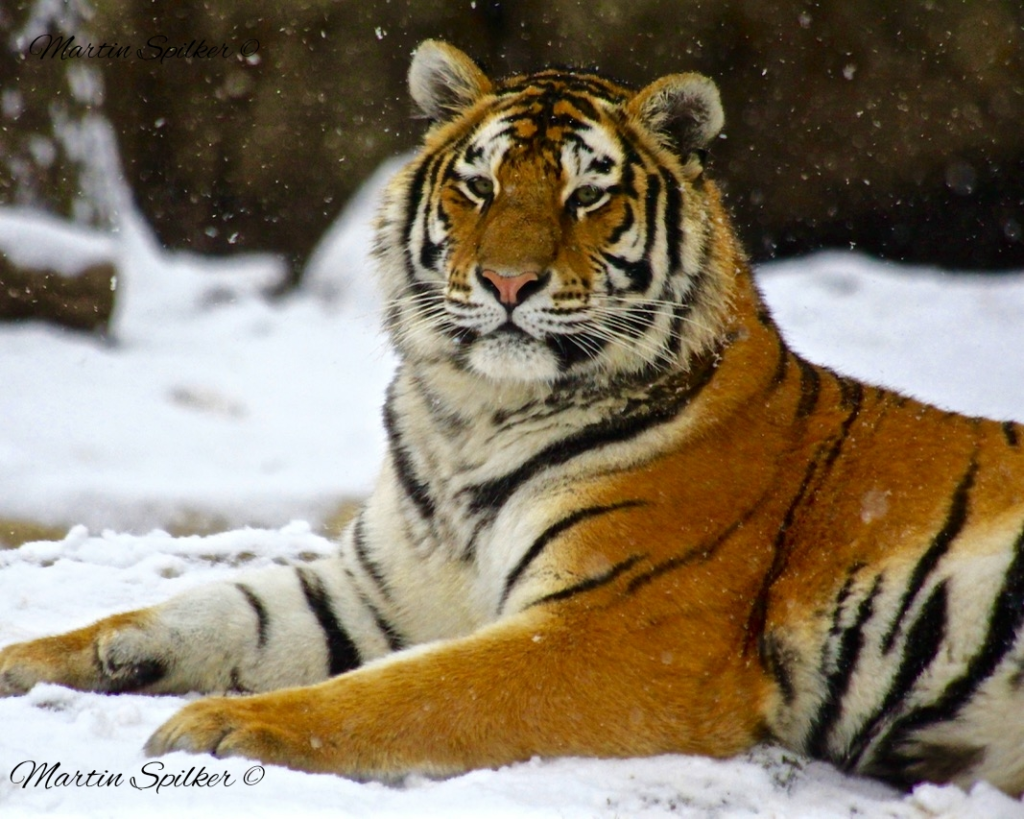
point(895, 128)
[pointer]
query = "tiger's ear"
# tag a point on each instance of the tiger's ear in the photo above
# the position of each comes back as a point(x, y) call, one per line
point(443, 80)
point(684, 108)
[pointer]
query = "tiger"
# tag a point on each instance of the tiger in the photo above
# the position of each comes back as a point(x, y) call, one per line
point(617, 516)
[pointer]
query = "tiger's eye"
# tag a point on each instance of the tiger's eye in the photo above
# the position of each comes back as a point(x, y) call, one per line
point(586, 195)
point(480, 186)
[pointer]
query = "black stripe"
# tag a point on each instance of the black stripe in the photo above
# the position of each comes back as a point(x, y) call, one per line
point(469, 553)
point(662, 404)
point(1004, 624)
point(1010, 431)
point(549, 534)
point(674, 343)
point(837, 682)
point(417, 190)
point(371, 569)
point(704, 551)
point(653, 223)
point(640, 272)
point(851, 392)
point(414, 198)
point(587, 109)
point(558, 83)
point(955, 520)
point(782, 367)
point(780, 555)
point(430, 251)
point(852, 397)
point(395, 640)
point(620, 229)
point(569, 123)
point(924, 639)
point(236, 683)
point(810, 387)
point(1003, 628)
point(342, 653)
point(637, 319)
point(672, 220)
point(262, 620)
point(590, 583)
point(510, 417)
point(446, 222)
point(837, 609)
point(674, 563)
point(778, 660)
point(573, 349)
point(632, 164)
point(391, 634)
point(121, 678)
point(587, 86)
point(414, 489)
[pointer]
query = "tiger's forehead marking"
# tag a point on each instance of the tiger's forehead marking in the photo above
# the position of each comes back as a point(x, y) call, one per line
point(565, 118)
point(565, 83)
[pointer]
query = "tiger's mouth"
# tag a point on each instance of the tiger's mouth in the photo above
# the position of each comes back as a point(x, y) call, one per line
point(510, 352)
point(510, 328)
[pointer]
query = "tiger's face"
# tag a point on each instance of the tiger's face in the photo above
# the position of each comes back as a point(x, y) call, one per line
point(554, 226)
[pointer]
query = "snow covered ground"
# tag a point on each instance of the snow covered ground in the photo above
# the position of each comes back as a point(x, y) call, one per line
point(210, 400)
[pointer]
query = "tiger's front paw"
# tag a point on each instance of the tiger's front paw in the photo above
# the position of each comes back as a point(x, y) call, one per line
point(229, 726)
point(111, 655)
point(60, 660)
point(21, 667)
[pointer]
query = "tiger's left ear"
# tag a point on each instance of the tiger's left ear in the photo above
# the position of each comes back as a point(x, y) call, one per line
point(685, 109)
point(443, 80)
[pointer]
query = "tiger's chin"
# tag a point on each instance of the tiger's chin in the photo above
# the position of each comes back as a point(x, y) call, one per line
point(513, 357)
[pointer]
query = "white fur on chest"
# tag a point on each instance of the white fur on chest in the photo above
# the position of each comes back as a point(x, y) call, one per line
point(465, 445)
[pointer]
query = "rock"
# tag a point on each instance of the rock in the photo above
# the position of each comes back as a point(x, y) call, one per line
point(54, 270)
point(84, 301)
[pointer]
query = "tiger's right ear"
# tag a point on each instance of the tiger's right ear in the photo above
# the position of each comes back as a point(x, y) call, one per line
point(443, 80)
point(684, 109)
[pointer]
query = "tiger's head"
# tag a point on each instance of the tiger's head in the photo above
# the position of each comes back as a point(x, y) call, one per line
point(555, 225)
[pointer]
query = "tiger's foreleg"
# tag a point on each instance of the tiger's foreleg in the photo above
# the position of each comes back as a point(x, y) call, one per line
point(528, 685)
point(273, 627)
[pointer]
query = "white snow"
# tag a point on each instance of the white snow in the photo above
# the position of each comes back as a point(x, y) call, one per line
point(38, 241)
point(208, 397)
point(211, 398)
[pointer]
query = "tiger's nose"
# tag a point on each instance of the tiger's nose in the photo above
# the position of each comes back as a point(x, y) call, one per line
point(511, 290)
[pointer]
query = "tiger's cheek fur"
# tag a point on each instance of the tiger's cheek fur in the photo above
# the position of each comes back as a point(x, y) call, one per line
point(462, 246)
point(583, 270)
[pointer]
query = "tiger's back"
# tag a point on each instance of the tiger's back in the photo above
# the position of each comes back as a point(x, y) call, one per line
point(617, 515)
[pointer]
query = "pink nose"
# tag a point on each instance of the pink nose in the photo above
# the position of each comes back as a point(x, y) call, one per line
point(508, 287)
